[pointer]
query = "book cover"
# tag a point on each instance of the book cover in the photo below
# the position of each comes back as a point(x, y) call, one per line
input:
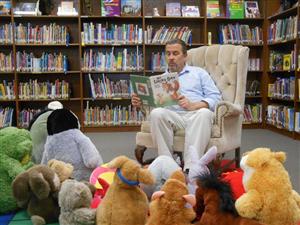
point(235, 9)
point(190, 11)
point(212, 9)
point(110, 8)
point(131, 7)
point(157, 91)
point(25, 8)
point(5, 7)
point(287, 62)
point(251, 9)
point(173, 9)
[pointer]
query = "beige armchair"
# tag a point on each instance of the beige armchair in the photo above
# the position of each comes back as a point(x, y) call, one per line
point(227, 65)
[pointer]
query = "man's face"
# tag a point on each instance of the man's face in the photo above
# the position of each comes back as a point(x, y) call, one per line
point(175, 58)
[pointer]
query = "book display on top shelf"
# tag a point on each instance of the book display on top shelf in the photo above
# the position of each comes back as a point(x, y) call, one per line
point(110, 7)
point(212, 8)
point(5, 7)
point(27, 8)
point(131, 8)
point(66, 8)
point(190, 11)
point(252, 9)
point(235, 9)
point(173, 9)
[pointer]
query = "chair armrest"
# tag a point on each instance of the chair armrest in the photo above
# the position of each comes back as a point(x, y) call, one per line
point(224, 109)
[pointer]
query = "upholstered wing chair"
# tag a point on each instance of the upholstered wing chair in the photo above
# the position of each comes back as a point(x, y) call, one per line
point(227, 65)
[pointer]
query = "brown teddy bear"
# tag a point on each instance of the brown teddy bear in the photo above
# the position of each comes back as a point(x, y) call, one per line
point(168, 206)
point(37, 189)
point(269, 195)
point(125, 202)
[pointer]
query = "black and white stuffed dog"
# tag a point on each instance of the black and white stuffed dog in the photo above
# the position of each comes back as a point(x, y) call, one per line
point(67, 143)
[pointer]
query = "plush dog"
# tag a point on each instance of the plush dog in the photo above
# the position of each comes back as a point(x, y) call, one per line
point(74, 200)
point(37, 188)
point(269, 196)
point(125, 202)
point(67, 143)
point(168, 205)
point(15, 154)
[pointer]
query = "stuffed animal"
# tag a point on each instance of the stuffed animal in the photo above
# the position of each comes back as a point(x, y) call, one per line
point(168, 205)
point(125, 202)
point(67, 143)
point(38, 130)
point(74, 201)
point(215, 202)
point(15, 154)
point(269, 196)
point(37, 188)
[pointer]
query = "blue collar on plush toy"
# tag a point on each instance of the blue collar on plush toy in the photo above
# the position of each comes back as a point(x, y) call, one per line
point(129, 182)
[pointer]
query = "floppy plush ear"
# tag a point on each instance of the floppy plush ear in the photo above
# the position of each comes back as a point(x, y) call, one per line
point(258, 157)
point(145, 176)
point(117, 162)
point(209, 156)
point(280, 156)
point(190, 199)
point(157, 194)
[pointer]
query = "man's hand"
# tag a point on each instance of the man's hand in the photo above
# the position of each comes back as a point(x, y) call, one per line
point(190, 106)
point(135, 100)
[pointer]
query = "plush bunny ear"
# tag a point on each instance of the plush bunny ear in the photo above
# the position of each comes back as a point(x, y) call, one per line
point(145, 177)
point(190, 199)
point(209, 156)
point(117, 162)
point(157, 194)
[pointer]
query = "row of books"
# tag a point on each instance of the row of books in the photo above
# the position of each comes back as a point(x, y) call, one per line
point(6, 116)
point(235, 9)
point(164, 34)
point(43, 90)
point(111, 34)
point(254, 64)
point(6, 62)
point(42, 34)
point(7, 91)
point(283, 29)
point(106, 88)
point(281, 116)
point(252, 113)
point(158, 61)
point(240, 34)
point(282, 61)
point(283, 88)
point(112, 116)
point(27, 62)
point(25, 116)
point(6, 33)
point(124, 60)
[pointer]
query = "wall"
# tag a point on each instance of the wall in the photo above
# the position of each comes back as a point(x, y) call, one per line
point(114, 144)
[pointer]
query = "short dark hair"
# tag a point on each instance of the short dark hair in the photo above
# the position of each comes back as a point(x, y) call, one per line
point(178, 41)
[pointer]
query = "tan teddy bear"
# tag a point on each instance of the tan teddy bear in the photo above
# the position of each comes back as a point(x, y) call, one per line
point(269, 195)
point(124, 202)
point(168, 206)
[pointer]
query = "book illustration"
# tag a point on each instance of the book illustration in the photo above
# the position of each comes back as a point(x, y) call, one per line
point(287, 62)
point(158, 91)
point(110, 8)
point(5, 7)
point(190, 11)
point(27, 8)
point(131, 7)
point(235, 9)
point(251, 9)
point(67, 9)
point(173, 9)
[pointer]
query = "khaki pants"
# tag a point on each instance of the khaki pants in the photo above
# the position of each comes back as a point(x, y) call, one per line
point(197, 125)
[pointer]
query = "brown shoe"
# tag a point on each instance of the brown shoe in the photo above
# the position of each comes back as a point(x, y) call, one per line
point(139, 153)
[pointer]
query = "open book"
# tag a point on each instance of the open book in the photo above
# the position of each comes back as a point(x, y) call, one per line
point(157, 91)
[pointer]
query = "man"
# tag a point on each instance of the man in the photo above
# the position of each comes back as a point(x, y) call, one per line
point(194, 112)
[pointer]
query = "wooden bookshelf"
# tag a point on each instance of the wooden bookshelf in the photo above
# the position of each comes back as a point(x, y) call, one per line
point(200, 26)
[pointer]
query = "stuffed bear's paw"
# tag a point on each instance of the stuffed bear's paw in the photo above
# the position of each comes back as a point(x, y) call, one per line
point(37, 220)
point(245, 208)
point(85, 216)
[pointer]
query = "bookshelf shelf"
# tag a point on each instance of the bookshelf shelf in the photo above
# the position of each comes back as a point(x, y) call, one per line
point(107, 99)
point(257, 96)
point(226, 19)
point(48, 100)
point(123, 128)
point(280, 130)
point(45, 17)
point(113, 72)
point(111, 45)
point(283, 14)
point(49, 72)
point(173, 18)
point(110, 17)
point(252, 125)
point(47, 45)
point(280, 43)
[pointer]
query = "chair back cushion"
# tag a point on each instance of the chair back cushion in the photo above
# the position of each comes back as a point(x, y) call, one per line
point(227, 65)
